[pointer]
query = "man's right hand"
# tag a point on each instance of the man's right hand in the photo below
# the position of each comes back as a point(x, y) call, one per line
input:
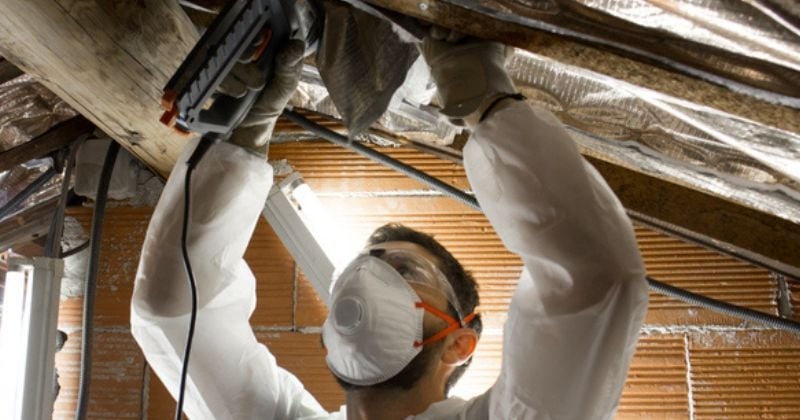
point(470, 74)
point(255, 130)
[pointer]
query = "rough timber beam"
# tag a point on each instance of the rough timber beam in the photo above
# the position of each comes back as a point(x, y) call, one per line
point(108, 59)
point(56, 138)
point(755, 236)
point(28, 225)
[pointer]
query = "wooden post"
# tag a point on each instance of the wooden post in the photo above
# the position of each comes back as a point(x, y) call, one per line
point(107, 58)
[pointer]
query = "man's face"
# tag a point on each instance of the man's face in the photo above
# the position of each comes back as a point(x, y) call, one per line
point(415, 266)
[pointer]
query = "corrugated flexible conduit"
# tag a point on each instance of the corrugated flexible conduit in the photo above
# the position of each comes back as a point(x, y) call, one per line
point(91, 279)
point(439, 185)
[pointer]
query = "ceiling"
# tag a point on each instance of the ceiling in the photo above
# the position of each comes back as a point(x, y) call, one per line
point(689, 108)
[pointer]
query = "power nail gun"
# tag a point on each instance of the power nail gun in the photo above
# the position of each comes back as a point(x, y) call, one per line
point(190, 101)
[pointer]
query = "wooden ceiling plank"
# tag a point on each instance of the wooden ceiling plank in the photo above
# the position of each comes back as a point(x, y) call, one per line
point(770, 240)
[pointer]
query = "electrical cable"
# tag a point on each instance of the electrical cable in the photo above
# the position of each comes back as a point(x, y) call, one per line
point(52, 247)
point(724, 307)
point(439, 185)
point(76, 250)
point(91, 279)
point(379, 157)
point(18, 199)
point(202, 147)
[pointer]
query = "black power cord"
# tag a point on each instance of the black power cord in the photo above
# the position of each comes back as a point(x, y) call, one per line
point(202, 147)
point(34, 186)
point(91, 279)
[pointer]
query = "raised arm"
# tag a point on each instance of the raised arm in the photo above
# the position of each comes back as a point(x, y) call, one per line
point(231, 375)
point(574, 318)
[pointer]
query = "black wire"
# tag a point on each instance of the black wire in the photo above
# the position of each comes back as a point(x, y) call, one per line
point(76, 250)
point(379, 157)
point(34, 186)
point(193, 288)
point(91, 279)
point(447, 189)
point(202, 147)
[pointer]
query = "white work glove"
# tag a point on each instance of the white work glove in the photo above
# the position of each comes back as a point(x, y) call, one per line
point(470, 74)
point(255, 130)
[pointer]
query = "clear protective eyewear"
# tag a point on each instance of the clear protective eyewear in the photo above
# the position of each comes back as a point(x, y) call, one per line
point(418, 270)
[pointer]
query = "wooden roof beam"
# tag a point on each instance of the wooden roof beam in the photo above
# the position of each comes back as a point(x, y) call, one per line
point(56, 138)
point(109, 60)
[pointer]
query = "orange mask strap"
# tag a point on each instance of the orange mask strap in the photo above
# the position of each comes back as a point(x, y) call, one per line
point(452, 324)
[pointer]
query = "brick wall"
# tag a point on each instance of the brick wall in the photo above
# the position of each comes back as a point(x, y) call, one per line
point(689, 364)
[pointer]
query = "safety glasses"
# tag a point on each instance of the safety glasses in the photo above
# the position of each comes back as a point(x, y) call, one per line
point(418, 270)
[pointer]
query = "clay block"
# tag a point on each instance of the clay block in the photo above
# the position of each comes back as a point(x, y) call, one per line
point(656, 387)
point(705, 272)
point(745, 374)
point(273, 268)
point(330, 168)
point(302, 354)
point(123, 234)
point(117, 371)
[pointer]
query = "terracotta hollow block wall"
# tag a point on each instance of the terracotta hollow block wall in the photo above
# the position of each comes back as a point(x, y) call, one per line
point(689, 364)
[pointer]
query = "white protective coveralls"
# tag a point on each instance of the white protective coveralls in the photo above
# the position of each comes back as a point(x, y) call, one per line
point(572, 324)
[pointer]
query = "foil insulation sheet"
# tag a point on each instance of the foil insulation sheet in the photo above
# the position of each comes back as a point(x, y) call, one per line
point(650, 132)
point(750, 46)
point(27, 110)
point(362, 62)
point(742, 27)
point(699, 147)
point(407, 114)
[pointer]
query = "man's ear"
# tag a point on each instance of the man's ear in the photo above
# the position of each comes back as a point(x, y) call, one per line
point(459, 346)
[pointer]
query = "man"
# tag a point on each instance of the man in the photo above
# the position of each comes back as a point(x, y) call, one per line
point(401, 325)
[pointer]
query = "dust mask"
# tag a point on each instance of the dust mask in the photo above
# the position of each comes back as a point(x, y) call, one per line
point(375, 324)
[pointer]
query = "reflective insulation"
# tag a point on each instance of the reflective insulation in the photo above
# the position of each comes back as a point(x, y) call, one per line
point(362, 62)
point(750, 46)
point(27, 110)
point(741, 27)
point(408, 113)
point(702, 148)
point(672, 139)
